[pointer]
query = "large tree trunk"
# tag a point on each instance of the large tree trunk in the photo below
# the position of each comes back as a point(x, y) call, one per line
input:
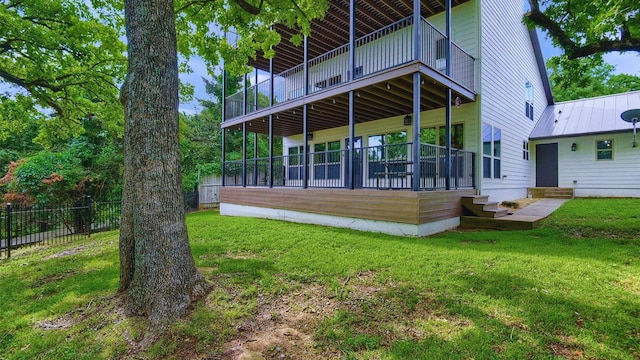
point(158, 275)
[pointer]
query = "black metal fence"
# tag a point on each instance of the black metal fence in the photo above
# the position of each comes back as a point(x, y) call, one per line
point(39, 226)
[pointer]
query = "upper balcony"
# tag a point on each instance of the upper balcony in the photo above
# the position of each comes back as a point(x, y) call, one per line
point(386, 48)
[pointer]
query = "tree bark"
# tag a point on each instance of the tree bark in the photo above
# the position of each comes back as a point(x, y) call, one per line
point(158, 278)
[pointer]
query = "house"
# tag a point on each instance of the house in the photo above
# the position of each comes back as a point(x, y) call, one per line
point(401, 107)
point(586, 146)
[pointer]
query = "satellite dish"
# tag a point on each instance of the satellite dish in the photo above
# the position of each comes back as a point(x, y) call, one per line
point(632, 116)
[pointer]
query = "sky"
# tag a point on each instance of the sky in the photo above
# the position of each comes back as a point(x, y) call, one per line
point(627, 63)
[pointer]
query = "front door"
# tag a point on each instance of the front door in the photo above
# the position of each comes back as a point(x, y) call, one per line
point(357, 162)
point(547, 165)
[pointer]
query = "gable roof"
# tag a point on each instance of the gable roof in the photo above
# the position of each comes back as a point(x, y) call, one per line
point(586, 116)
point(537, 51)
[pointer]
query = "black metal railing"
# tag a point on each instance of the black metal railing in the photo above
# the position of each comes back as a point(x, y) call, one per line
point(51, 225)
point(385, 48)
point(377, 167)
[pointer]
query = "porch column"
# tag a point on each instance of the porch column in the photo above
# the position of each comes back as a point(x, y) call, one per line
point(416, 132)
point(417, 30)
point(255, 158)
point(271, 101)
point(224, 150)
point(255, 92)
point(305, 113)
point(244, 100)
point(224, 114)
point(352, 39)
point(305, 148)
point(244, 154)
point(352, 134)
point(447, 163)
point(305, 67)
point(270, 175)
point(350, 158)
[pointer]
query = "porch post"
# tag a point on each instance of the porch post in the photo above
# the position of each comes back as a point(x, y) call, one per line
point(271, 101)
point(305, 68)
point(244, 154)
point(270, 175)
point(224, 114)
point(244, 100)
point(417, 55)
point(352, 134)
point(352, 39)
point(305, 113)
point(417, 30)
point(255, 92)
point(255, 159)
point(447, 163)
point(305, 148)
point(350, 160)
point(224, 155)
point(416, 132)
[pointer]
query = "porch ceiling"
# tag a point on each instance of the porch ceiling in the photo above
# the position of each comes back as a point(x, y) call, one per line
point(377, 101)
point(333, 31)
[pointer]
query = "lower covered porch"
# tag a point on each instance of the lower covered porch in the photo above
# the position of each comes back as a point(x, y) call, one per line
point(375, 167)
point(409, 213)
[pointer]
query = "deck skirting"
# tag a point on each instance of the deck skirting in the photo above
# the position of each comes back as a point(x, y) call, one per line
point(392, 212)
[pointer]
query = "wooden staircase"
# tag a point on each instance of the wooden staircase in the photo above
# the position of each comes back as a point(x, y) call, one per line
point(550, 193)
point(480, 206)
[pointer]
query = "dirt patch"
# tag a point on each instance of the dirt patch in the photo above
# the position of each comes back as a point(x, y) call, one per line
point(517, 204)
point(566, 348)
point(66, 253)
point(282, 327)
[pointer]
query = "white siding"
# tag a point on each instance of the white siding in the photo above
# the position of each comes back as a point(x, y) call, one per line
point(580, 170)
point(464, 26)
point(507, 62)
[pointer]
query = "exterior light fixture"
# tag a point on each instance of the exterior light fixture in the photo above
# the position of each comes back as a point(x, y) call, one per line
point(574, 147)
point(407, 120)
point(309, 136)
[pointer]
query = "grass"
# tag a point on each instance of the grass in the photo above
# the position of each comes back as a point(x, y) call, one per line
point(567, 290)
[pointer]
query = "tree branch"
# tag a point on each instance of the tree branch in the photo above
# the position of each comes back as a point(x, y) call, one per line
point(574, 49)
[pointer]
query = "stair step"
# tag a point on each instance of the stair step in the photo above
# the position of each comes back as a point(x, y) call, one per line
point(480, 206)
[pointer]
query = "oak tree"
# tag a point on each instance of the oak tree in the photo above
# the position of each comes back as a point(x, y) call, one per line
point(158, 274)
point(585, 27)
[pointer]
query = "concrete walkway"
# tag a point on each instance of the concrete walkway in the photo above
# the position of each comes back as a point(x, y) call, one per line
point(535, 211)
point(521, 219)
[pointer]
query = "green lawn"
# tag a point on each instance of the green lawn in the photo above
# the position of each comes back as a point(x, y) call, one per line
point(567, 290)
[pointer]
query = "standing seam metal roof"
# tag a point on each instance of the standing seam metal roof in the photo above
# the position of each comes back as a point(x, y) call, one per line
point(586, 116)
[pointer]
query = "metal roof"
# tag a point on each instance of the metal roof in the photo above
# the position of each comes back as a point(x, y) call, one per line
point(586, 116)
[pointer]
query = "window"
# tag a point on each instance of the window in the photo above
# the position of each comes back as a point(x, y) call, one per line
point(428, 136)
point(334, 80)
point(491, 151)
point(357, 73)
point(295, 162)
point(525, 150)
point(387, 148)
point(528, 100)
point(326, 160)
point(604, 150)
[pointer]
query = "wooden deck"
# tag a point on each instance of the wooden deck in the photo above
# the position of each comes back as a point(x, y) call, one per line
point(406, 207)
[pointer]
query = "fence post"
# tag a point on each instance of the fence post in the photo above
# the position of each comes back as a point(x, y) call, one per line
point(8, 228)
point(88, 217)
